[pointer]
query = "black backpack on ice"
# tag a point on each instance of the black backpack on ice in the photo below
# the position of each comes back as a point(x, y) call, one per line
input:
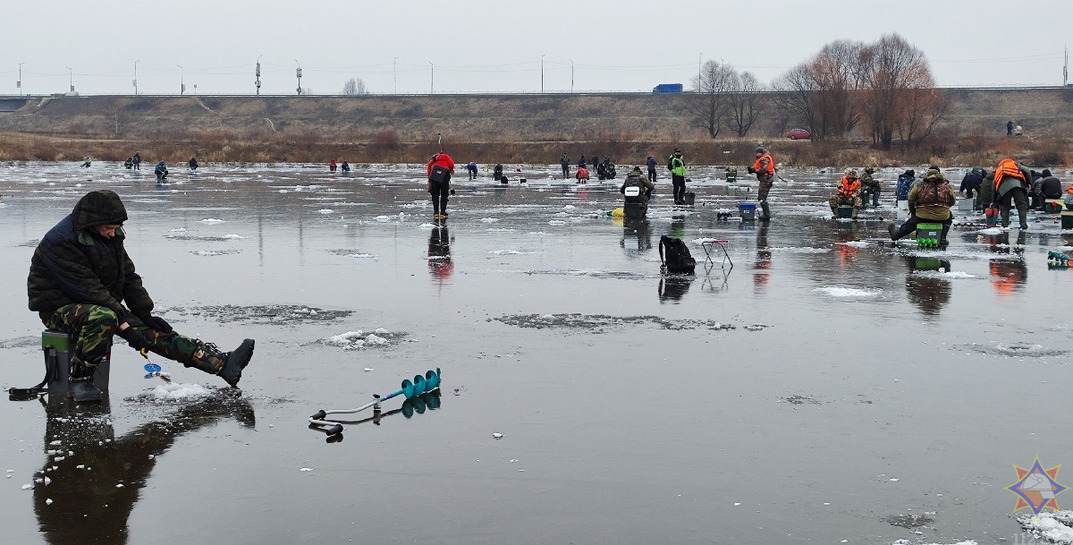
point(674, 254)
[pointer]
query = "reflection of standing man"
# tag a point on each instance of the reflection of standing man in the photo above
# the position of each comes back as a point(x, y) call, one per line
point(86, 504)
point(439, 253)
point(763, 260)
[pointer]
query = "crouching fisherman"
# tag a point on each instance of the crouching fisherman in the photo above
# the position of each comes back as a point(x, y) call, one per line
point(82, 282)
point(929, 202)
point(161, 172)
point(636, 190)
point(848, 193)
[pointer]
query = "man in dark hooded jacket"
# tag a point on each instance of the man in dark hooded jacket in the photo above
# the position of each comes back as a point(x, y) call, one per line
point(83, 282)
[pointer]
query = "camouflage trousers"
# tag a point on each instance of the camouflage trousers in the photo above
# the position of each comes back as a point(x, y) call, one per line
point(93, 327)
point(837, 200)
point(766, 181)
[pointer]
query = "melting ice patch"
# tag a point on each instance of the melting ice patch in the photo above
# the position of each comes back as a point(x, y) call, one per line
point(264, 314)
point(357, 340)
point(211, 253)
point(799, 250)
point(212, 221)
point(1014, 349)
point(601, 323)
point(176, 391)
point(945, 275)
point(844, 292)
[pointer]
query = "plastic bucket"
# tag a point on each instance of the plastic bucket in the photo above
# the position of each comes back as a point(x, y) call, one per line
point(747, 210)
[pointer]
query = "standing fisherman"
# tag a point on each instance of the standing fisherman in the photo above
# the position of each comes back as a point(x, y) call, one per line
point(764, 168)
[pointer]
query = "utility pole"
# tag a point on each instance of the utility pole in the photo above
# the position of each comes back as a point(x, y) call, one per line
point(298, 72)
point(571, 75)
point(71, 78)
point(1065, 68)
point(182, 83)
point(698, 70)
point(257, 73)
point(431, 78)
point(19, 82)
point(135, 80)
point(395, 73)
point(542, 74)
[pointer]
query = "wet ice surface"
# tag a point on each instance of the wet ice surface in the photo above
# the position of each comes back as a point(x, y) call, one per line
point(860, 383)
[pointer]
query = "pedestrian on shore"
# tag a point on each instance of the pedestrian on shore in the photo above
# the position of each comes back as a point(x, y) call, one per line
point(1009, 128)
point(439, 171)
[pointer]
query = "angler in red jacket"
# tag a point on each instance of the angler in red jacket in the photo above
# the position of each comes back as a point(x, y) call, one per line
point(439, 171)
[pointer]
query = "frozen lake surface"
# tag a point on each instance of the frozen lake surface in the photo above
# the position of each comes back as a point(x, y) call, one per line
point(826, 389)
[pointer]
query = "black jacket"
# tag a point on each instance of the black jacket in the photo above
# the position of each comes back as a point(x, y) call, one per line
point(1051, 188)
point(73, 264)
point(972, 180)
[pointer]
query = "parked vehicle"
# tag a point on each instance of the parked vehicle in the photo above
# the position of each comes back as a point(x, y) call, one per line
point(798, 134)
point(668, 88)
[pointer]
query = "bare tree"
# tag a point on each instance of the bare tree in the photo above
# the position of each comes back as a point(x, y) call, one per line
point(354, 86)
point(795, 96)
point(837, 72)
point(898, 79)
point(712, 86)
point(745, 103)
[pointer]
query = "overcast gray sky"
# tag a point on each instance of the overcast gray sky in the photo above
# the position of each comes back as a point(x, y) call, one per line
point(496, 45)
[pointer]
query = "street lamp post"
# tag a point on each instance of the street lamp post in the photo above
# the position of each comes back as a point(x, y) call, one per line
point(182, 83)
point(571, 75)
point(135, 80)
point(542, 74)
point(395, 73)
point(70, 78)
point(257, 72)
point(431, 78)
point(298, 73)
point(19, 82)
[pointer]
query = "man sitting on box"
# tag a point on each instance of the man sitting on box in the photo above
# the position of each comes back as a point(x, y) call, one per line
point(929, 202)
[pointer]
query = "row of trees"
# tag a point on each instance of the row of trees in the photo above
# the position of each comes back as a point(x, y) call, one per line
point(884, 88)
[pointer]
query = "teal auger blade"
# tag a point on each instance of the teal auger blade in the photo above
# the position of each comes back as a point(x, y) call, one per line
point(419, 385)
point(432, 380)
point(408, 389)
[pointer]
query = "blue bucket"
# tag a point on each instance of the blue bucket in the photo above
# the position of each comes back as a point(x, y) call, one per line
point(747, 210)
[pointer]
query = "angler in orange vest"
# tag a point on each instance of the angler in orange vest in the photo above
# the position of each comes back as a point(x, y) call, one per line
point(1011, 189)
point(764, 168)
point(848, 192)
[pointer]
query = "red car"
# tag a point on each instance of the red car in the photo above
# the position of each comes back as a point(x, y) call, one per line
point(798, 134)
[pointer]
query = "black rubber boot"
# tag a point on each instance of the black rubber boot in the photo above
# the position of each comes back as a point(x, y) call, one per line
point(80, 385)
point(766, 216)
point(228, 365)
point(237, 360)
point(893, 231)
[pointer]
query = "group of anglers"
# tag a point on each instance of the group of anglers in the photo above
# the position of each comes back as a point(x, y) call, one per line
point(1011, 186)
point(134, 162)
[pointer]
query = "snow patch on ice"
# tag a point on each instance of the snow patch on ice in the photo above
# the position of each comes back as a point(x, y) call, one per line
point(991, 231)
point(856, 244)
point(325, 211)
point(174, 391)
point(842, 291)
point(799, 250)
point(1055, 527)
point(212, 221)
point(489, 220)
point(950, 275)
point(357, 340)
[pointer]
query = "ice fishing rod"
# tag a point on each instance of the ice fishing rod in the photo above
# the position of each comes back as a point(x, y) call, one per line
point(409, 388)
point(153, 369)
